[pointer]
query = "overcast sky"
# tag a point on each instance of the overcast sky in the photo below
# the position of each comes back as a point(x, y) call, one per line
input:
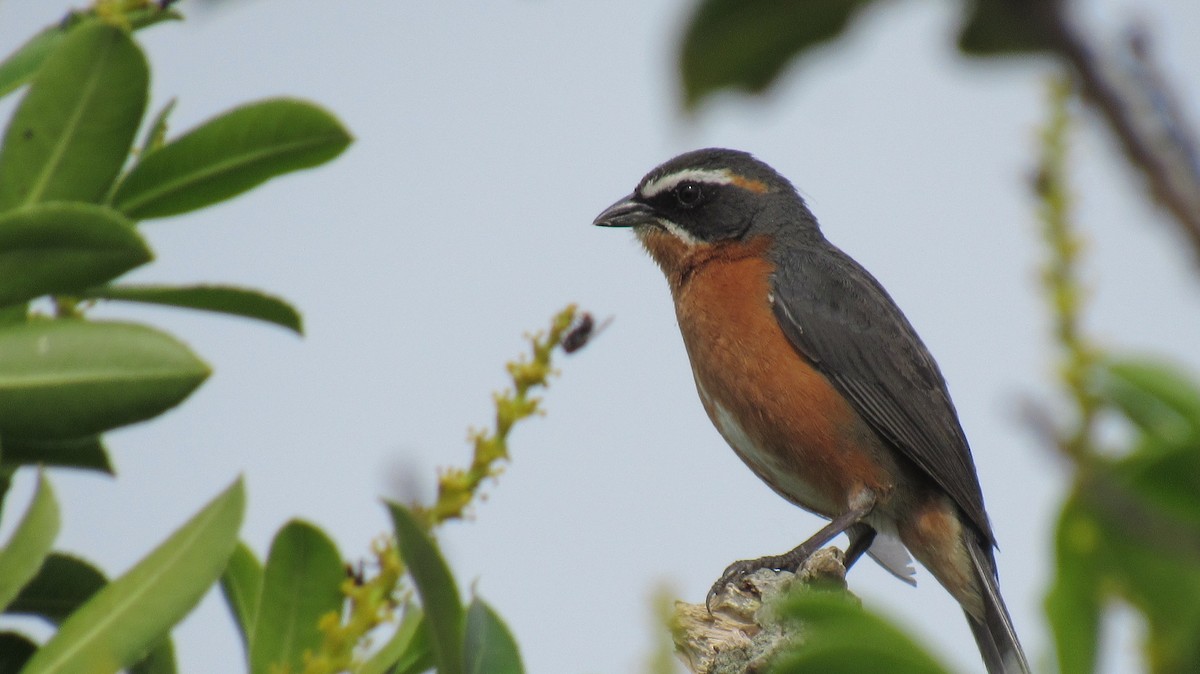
point(488, 137)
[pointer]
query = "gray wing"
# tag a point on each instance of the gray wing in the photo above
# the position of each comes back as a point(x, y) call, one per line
point(839, 317)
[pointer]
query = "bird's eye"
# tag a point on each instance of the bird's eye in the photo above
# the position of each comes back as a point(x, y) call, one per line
point(688, 194)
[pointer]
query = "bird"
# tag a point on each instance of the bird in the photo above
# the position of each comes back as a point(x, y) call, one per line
point(818, 382)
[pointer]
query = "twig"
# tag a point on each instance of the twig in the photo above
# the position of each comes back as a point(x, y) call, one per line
point(1060, 273)
point(1140, 109)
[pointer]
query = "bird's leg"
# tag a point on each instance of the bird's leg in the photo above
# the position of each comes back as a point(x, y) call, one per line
point(861, 536)
point(790, 561)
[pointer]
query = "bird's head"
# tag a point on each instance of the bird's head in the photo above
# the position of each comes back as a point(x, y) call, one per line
point(709, 198)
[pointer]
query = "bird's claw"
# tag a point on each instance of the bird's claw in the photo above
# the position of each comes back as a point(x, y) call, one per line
point(739, 570)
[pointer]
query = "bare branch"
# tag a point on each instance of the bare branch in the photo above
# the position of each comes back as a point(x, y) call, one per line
point(1132, 95)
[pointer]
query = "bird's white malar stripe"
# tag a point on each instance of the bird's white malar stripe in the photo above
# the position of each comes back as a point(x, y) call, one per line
point(673, 229)
point(679, 232)
point(669, 181)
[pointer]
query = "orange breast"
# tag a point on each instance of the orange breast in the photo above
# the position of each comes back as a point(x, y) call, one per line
point(783, 418)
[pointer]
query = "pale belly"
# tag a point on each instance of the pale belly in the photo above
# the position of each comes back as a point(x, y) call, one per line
point(785, 479)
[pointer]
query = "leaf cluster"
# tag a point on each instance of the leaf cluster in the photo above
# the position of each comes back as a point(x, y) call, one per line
point(1129, 531)
point(74, 190)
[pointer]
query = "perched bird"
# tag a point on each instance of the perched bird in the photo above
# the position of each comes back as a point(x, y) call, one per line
point(817, 381)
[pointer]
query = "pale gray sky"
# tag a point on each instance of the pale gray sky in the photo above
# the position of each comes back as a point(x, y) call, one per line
point(488, 137)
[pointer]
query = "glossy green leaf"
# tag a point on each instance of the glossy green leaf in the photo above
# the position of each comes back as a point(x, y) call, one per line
point(489, 646)
point(1002, 27)
point(841, 637)
point(133, 613)
point(73, 130)
point(221, 299)
point(160, 660)
point(229, 155)
point(62, 585)
point(435, 585)
point(15, 651)
point(301, 583)
point(22, 64)
point(241, 585)
point(746, 44)
point(407, 651)
point(60, 248)
point(68, 378)
point(30, 542)
point(87, 452)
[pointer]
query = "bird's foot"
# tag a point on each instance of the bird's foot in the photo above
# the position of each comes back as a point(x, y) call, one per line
point(788, 561)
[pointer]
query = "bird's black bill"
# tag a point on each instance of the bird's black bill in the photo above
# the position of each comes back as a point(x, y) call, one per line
point(625, 213)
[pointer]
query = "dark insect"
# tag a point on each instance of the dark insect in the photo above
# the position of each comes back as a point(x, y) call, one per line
point(584, 330)
point(357, 574)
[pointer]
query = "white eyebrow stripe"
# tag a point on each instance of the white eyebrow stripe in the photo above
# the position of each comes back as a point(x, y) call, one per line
point(669, 181)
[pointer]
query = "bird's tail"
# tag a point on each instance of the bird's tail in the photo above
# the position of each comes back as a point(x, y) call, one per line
point(998, 643)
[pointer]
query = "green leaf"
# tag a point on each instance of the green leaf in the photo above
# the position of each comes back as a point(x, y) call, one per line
point(86, 452)
point(61, 248)
point(69, 378)
point(490, 647)
point(72, 132)
point(241, 584)
point(415, 661)
point(406, 652)
point(15, 651)
point(1157, 397)
point(120, 624)
point(21, 65)
point(160, 660)
point(435, 585)
point(745, 44)
point(839, 636)
point(229, 155)
point(221, 299)
point(1073, 602)
point(1003, 27)
point(1168, 482)
point(1150, 562)
point(13, 315)
point(29, 544)
point(301, 583)
point(156, 136)
point(6, 475)
point(62, 585)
